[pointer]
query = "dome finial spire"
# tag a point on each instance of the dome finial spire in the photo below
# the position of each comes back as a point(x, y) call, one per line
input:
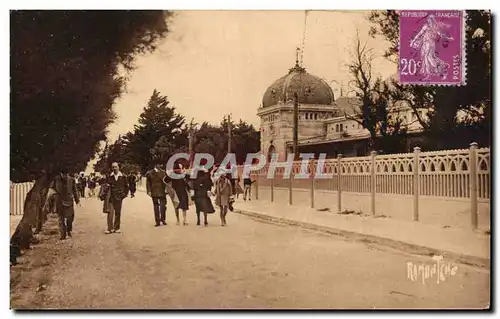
point(297, 57)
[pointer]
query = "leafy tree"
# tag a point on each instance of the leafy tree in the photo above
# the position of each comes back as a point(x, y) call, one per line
point(116, 152)
point(165, 148)
point(157, 121)
point(208, 138)
point(246, 139)
point(374, 102)
point(213, 140)
point(64, 80)
point(102, 163)
point(447, 103)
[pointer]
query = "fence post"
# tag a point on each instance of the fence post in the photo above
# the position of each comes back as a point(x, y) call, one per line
point(473, 183)
point(257, 187)
point(290, 189)
point(11, 198)
point(272, 189)
point(339, 183)
point(416, 182)
point(312, 174)
point(373, 181)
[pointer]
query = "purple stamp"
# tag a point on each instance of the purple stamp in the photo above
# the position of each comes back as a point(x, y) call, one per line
point(432, 47)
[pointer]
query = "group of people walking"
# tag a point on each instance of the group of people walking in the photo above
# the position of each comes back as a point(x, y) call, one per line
point(185, 192)
point(67, 190)
point(92, 181)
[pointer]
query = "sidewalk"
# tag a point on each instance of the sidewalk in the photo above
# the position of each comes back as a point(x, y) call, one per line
point(465, 246)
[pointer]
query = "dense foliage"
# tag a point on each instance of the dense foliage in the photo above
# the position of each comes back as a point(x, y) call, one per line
point(65, 78)
point(162, 132)
point(458, 115)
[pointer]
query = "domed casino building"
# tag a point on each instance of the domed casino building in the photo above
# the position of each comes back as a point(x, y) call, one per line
point(325, 124)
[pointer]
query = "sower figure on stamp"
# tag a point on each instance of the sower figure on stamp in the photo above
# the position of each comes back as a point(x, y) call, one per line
point(155, 187)
point(425, 40)
point(64, 192)
point(118, 188)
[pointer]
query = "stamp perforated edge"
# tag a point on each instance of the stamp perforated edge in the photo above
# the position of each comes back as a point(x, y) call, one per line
point(464, 48)
point(463, 38)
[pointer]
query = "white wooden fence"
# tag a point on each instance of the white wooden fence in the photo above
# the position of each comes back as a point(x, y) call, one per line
point(18, 192)
point(419, 175)
point(441, 174)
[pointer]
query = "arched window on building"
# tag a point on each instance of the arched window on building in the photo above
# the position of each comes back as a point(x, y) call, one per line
point(271, 150)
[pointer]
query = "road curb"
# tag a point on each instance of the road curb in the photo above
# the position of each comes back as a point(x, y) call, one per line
point(388, 242)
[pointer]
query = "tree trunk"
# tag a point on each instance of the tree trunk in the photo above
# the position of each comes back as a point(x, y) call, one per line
point(33, 204)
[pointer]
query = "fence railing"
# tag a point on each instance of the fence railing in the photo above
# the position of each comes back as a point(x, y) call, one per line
point(454, 174)
point(18, 192)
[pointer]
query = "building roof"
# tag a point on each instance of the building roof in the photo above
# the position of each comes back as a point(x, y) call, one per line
point(347, 106)
point(352, 136)
point(309, 88)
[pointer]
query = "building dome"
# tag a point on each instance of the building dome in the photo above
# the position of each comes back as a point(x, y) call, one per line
point(310, 89)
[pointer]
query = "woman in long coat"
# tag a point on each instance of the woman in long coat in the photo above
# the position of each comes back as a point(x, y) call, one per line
point(223, 192)
point(181, 188)
point(201, 186)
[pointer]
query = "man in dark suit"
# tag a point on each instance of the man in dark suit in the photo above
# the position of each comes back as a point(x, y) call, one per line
point(155, 187)
point(65, 191)
point(118, 185)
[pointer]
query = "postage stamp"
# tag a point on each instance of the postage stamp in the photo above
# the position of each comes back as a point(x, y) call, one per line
point(432, 47)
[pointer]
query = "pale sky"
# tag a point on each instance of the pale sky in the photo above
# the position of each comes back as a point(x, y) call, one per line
point(218, 62)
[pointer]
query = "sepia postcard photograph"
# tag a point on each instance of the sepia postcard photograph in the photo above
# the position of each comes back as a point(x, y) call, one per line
point(305, 159)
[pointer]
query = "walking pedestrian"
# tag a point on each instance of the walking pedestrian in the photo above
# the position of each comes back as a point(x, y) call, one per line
point(213, 173)
point(247, 185)
point(223, 194)
point(92, 183)
point(238, 190)
point(235, 187)
point(155, 188)
point(182, 189)
point(118, 190)
point(64, 193)
point(82, 183)
point(202, 185)
point(132, 184)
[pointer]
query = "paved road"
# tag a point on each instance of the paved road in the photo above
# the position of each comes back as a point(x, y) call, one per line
point(249, 264)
